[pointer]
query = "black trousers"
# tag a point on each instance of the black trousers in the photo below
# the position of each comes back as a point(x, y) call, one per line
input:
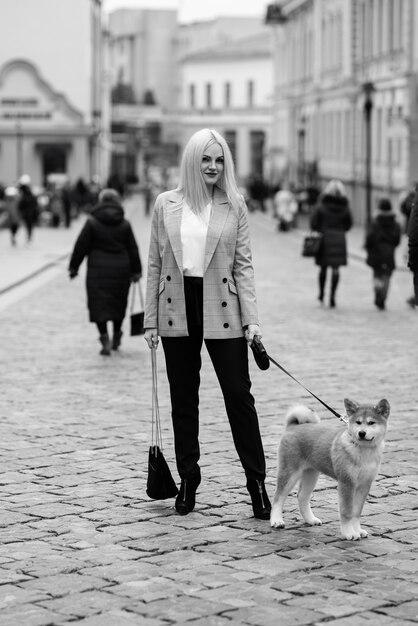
point(230, 360)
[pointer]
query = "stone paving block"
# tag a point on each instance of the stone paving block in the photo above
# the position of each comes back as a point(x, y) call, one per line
point(313, 582)
point(181, 609)
point(13, 595)
point(155, 588)
point(120, 618)
point(213, 576)
point(29, 615)
point(368, 619)
point(274, 615)
point(8, 518)
point(85, 603)
point(243, 594)
point(57, 509)
point(63, 584)
point(122, 572)
point(184, 559)
point(337, 603)
point(273, 564)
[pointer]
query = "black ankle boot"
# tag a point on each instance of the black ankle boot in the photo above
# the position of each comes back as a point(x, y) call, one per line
point(117, 338)
point(105, 341)
point(186, 499)
point(259, 498)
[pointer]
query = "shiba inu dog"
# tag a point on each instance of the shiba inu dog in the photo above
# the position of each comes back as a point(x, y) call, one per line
point(351, 455)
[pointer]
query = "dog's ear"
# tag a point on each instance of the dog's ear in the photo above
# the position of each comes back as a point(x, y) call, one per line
point(383, 408)
point(350, 406)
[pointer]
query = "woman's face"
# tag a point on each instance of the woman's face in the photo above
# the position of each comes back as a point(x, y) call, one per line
point(212, 165)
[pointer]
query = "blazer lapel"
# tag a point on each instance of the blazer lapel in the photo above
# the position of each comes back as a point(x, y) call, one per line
point(172, 219)
point(220, 210)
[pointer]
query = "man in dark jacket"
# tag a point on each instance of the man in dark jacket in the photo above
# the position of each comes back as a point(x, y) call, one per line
point(113, 261)
point(383, 236)
point(413, 245)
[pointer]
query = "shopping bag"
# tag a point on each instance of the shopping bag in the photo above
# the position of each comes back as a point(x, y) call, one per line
point(137, 324)
point(137, 319)
point(312, 245)
point(160, 483)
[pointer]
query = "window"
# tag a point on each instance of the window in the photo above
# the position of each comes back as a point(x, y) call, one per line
point(250, 93)
point(192, 96)
point(209, 95)
point(227, 95)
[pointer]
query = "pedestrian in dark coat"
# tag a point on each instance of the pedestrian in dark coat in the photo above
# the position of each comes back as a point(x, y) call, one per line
point(28, 205)
point(383, 236)
point(113, 261)
point(333, 219)
point(413, 245)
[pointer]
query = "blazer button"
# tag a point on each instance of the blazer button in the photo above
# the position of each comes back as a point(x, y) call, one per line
point(226, 325)
point(168, 278)
point(224, 304)
point(169, 300)
point(170, 323)
point(224, 280)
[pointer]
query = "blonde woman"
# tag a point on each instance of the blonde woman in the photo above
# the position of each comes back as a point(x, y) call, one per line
point(200, 288)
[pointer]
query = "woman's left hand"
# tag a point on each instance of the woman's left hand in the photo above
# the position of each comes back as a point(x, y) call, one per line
point(252, 329)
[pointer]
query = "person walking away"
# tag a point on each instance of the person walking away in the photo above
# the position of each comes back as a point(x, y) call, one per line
point(28, 206)
point(413, 245)
point(286, 208)
point(200, 287)
point(383, 236)
point(113, 261)
point(11, 205)
point(332, 217)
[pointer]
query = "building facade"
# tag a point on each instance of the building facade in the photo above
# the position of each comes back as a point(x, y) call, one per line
point(229, 87)
point(216, 73)
point(345, 101)
point(53, 101)
point(143, 66)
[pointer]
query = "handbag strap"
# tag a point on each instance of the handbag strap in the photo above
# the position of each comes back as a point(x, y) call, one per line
point(141, 296)
point(156, 436)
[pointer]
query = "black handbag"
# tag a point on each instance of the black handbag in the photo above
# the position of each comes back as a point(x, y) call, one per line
point(160, 483)
point(312, 244)
point(137, 319)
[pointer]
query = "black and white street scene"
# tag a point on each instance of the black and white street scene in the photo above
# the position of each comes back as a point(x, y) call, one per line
point(208, 312)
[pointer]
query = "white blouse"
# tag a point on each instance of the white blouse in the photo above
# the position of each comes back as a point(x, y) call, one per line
point(194, 230)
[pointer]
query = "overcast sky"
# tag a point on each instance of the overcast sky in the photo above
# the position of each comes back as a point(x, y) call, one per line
point(194, 10)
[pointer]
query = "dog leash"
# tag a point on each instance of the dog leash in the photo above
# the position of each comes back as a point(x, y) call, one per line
point(262, 359)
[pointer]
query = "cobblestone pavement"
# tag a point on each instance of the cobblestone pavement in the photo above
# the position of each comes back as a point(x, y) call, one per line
point(82, 543)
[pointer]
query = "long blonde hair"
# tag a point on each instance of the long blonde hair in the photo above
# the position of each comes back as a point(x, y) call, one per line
point(191, 181)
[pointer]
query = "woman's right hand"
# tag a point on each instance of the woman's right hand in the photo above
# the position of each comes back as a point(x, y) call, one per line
point(151, 337)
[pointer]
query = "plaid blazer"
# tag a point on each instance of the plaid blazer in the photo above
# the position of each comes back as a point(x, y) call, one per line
point(229, 299)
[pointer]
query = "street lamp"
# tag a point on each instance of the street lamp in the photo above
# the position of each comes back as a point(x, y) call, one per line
point(368, 89)
point(301, 151)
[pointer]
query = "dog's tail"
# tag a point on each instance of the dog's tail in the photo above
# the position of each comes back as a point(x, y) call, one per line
point(300, 414)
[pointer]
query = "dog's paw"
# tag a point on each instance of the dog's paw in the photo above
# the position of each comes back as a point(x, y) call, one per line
point(349, 532)
point(277, 522)
point(351, 536)
point(314, 521)
point(363, 533)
